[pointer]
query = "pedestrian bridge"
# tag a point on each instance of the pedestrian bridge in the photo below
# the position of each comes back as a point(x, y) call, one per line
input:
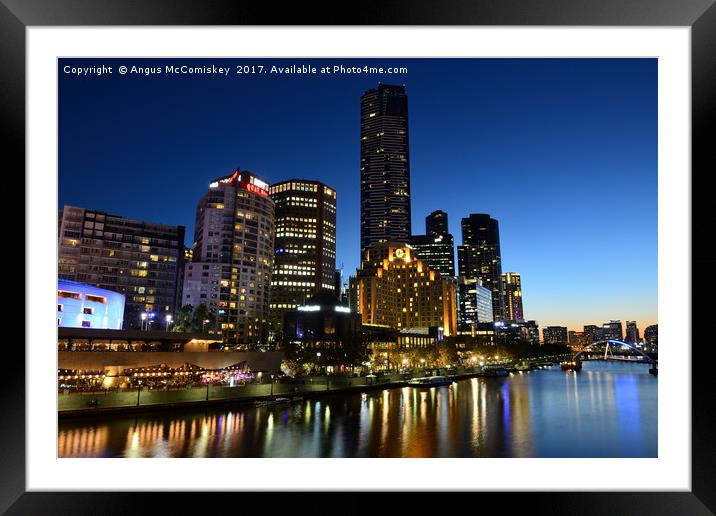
point(612, 349)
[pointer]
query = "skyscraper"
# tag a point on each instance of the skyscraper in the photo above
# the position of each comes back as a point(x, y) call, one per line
point(474, 304)
point(305, 246)
point(632, 332)
point(233, 258)
point(437, 223)
point(479, 257)
point(436, 247)
point(139, 259)
point(512, 285)
point(384, 166)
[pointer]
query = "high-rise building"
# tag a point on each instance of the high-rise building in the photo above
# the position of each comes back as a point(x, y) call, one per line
point(384, 166)
point(474, 304)
point(479, 257)
point(398, 290)
point(305, 246)
point(512, 285)
point(611, 330)
point(576, 340)
point(353, 294)
point(632, 332)
point(436, 247)
point(590, 333)
point(233, 258)
point(437, 223)
point(651, 337)
point(139, 259)
point(338, 284)
point(555, 335)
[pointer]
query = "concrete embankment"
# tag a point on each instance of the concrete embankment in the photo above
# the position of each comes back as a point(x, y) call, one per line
point(111, 402)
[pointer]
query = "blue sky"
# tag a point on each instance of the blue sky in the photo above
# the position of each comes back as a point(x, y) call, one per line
point(563, 152)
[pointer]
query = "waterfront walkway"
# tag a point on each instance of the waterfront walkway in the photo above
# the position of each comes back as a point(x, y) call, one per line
point(121, 401)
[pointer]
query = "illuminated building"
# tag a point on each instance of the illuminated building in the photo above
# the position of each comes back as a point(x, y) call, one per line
point(437, 247)
point(233, 257)
point(84, 306)
point(475, 304)
point(590, 333)
point(304, 247)
point(611, 330)
point(512, 286)
point(479, 257)
point(384, 166)
point(323, 331)
point(576, 340)
point(632, 332)
point(555, 335)
point(141, 260)
point(398, 290)
point(651, 337)
point(353, 294)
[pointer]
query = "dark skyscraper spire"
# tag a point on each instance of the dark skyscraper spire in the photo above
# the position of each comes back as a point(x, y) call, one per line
point(384, 166)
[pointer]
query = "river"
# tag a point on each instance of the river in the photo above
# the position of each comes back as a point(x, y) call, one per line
point(608, 409)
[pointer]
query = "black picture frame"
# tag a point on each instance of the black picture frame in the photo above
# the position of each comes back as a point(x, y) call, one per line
point(700, 15)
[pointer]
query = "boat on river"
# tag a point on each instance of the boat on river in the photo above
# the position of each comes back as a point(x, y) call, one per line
point(429, 381)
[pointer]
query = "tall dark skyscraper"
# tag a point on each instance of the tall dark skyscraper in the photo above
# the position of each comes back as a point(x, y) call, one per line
point(437, 247)
point(479, 257)
point(384, 166)
point(437, 223)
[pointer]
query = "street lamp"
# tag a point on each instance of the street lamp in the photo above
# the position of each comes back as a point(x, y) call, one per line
point(144, 318)
point(169, 320)
point(203, 325)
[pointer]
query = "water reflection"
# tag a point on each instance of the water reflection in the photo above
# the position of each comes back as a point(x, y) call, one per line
point(606, 410)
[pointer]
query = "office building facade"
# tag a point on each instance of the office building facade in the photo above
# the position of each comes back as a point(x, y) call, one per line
point(474, 304)
point(138, 259)
point(233, 258)
point(304, 247)
point(632, 332)
point(555, 335)
point(437, 246)
point(384, 166)
point(479, 257)
point(512, 286)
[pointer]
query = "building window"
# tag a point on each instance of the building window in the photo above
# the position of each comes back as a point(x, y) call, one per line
point(86, 324)
point(96, 299)
point(88, 311)
point(59, 308)
point(69, 295)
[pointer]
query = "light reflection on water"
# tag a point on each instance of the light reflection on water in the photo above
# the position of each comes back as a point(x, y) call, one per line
point(606, 410)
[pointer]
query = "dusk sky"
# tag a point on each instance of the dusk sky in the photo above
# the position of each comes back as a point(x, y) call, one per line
point(562, 152)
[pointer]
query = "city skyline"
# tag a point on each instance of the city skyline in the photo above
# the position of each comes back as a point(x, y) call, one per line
point(623, 241)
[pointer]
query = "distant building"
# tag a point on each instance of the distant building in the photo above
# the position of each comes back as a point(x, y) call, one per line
point(479, 257)
point(651, 337)
point(530, 332)
point(611, 330)
point(85, 306)
point(555, 335)
point(474, 304)
point(353, 294)
point(576, 340)
point(337, 284)
point(232, 258)
point(139, 259)
point(512, 285)
point(305, 246)
point(632, 332)
point(384, 166)
point(398, 290)
point(590, 334)
point(437, 246)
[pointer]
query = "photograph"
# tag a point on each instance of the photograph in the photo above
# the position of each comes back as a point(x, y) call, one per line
point(357, 257)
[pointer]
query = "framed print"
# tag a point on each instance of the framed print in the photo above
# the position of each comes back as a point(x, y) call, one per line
point(435, 245)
